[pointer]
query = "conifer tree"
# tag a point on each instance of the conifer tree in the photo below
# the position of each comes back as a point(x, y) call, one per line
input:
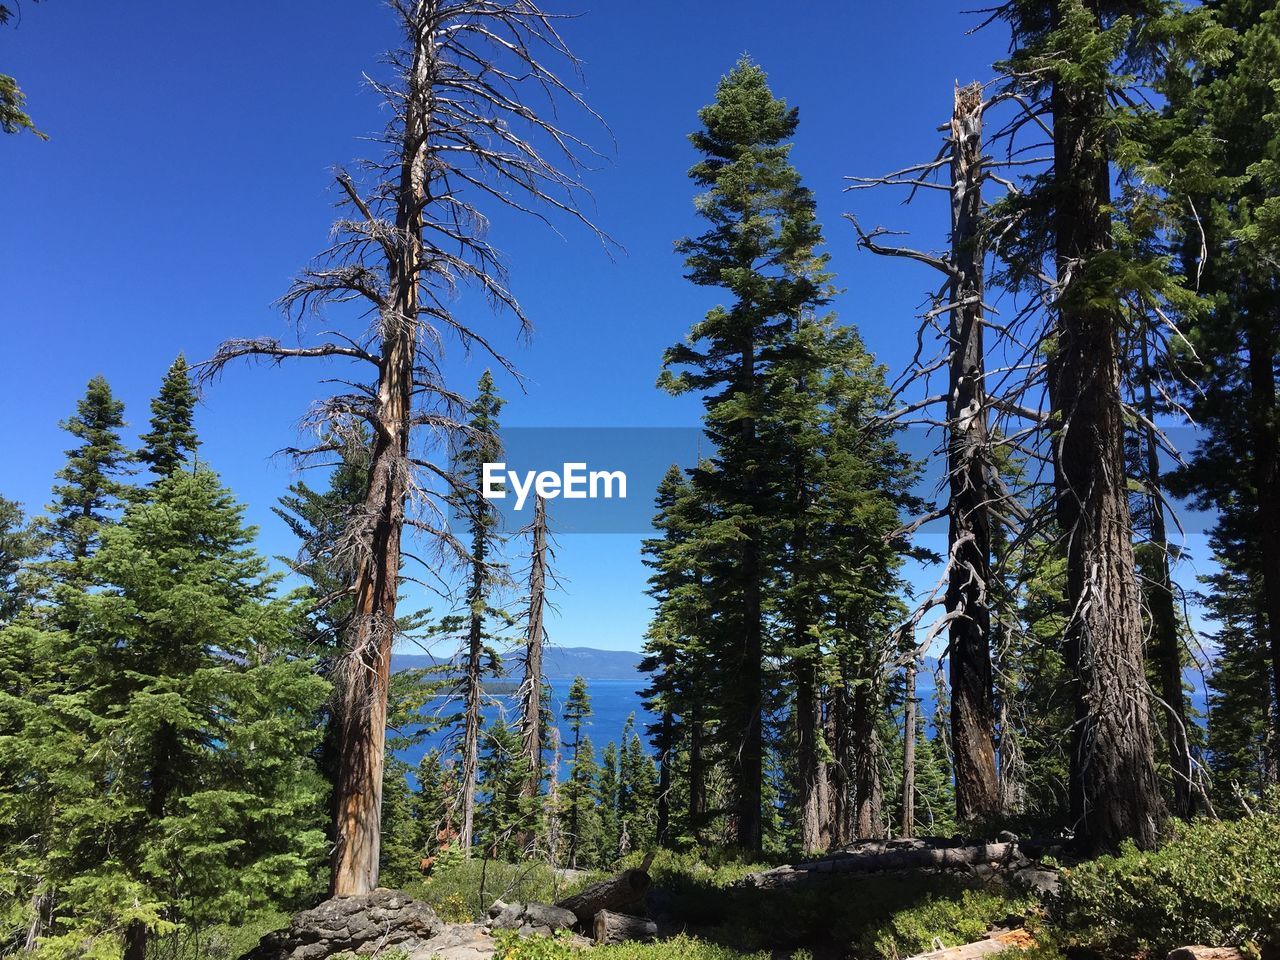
point(171, 442)
point(19, 544)
point(608, 788)
point(637, 792)
point(485, 574)
point(177, 689)
point(533, 689)
point(502, 811)
point(577, 790)
point(1071, 59)
point(92, 490)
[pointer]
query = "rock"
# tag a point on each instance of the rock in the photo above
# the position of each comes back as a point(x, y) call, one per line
point(1041, 882)
point(1006, 836)
point(551, 917)
point(508, 918)
point(461, 941)
point(985, 871)
point(364, 925)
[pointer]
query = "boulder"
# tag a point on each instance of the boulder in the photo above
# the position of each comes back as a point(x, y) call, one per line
point(363, 925)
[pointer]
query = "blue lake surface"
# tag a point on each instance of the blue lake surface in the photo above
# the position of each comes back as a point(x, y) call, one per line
point(614, 700)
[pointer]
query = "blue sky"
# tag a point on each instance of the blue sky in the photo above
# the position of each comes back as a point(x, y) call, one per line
point(188, 177)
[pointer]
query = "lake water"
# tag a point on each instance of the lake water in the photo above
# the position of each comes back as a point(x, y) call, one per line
point(612, 701)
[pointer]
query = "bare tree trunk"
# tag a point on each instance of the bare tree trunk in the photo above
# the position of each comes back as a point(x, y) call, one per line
point(811, 768)
point(531, 688)
point(972, 699)
point(1115, 794)
point(909, 754)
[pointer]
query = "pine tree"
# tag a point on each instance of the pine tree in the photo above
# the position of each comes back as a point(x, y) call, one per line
point(92, 491)
point(608, 789)
point(576, 793)
point(1226, 157)
point(19, 544)
point(485, 575)
point(637, 792)
point(171, 442)
point(502, 811)
point(1071, 60)
point(179, 733)
point(534, 693)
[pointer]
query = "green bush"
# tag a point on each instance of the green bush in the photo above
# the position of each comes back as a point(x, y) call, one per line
point(1215, 883)
point(512, 947)
point(941, 920)
point(462, 890)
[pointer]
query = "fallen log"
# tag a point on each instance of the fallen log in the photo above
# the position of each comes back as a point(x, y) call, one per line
point(996, 942)
point(1206, 953)
point(610, 927)
point(619, 891)
point(874, 861)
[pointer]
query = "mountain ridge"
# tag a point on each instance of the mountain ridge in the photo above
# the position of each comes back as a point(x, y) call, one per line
point(590, 663)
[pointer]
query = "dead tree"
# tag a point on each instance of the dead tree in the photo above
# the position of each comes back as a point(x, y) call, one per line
point(462, 132)
point(967, 573)
point(532, 686)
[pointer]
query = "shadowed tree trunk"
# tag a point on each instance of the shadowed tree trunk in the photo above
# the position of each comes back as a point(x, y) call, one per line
point(1114, 792)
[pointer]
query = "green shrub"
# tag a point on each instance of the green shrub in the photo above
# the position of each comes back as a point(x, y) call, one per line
point(462, 890)
point(941, 920)
point(1215, 883)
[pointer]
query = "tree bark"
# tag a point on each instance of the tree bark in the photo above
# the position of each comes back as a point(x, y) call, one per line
point(972, 698)
point(1114, 790)
point(868, 790)
point(609, 927)
point(472, 689)
point(531, 688)
point(366, 663)
point(618, 891)
point(697, 773)
point(909, 754)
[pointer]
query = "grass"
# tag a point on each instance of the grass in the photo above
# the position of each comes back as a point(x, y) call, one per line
point(461, 891)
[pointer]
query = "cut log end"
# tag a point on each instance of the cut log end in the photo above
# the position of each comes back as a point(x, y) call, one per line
point(609, 927)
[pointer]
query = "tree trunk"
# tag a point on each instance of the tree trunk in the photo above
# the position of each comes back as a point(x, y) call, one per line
point(614, 893)
point(1266, 477)
point(531, 688)
point(748, 754)
point(472, 693)
point(811, 770)
point(909, 755)
point(366, 663)
point(697, 773)
point(972, 699)
point(1114, 790)
point(608, 927)
point(1164, 617)
point(663, 827)
point(868, 790)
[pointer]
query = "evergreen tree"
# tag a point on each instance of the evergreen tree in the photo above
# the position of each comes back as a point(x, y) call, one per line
point(177, 734)
point(1072, 60)
point(92, 489)
point(485, 574)
point(171, 442)
point(576, 793)
point(637, 792)
point(502, 810)
point(19, 544)
point(608, 789)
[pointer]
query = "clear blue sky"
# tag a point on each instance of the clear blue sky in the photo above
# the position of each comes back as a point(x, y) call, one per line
point(188, 177)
